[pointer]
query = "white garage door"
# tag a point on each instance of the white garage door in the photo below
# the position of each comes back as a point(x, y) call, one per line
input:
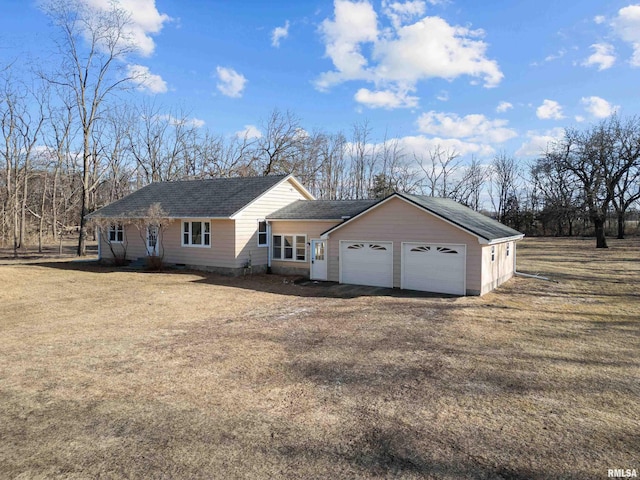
point(367, 263)
point(434, 268)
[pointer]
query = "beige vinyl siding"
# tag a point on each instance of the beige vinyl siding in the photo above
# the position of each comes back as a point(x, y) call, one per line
point(220, 254)
point(133, 244)
point(312, 229)
point(501, 269)
point(397, 221)
point(246, 241)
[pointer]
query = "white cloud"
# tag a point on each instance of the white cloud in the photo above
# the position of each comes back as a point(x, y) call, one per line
point(385, 99)
point(144, 20)
point(503, 107)
point(354, 23)
point(579, 118)
point(627, 26)
point(555, 56)
point(189, 122)
point(398, 57)
point(598, 107)
point(249, 131)
point(195, 122)
point(146, 81)
point(443, 96)
point(538, 142)
point(402, 12)
point(431, 48)
point(475, 127)
point(420, 144)
point(549, 110)
point(231, 83)
point(603, 56)
point(599, 19)
point(279, 33)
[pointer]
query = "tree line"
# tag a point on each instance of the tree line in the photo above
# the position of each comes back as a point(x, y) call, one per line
point(73, 140)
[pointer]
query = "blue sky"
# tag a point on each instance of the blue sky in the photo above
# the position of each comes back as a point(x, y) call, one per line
point(478, 77)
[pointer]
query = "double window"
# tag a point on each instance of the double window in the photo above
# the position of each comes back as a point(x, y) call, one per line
point(116, 233)
point(290, 247)
point(196, 234)
point(262, 234)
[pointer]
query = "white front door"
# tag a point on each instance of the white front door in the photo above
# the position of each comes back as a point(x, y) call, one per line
point(152, 241)
point(318, 259)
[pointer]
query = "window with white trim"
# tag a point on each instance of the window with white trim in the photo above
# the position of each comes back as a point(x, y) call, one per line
point(196, 234)
point(290, 247)
point(116, 233)
point(493, 253)
point(262, 233)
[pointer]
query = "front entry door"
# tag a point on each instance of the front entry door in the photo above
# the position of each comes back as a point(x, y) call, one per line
point(152, 241)
point(318, 259)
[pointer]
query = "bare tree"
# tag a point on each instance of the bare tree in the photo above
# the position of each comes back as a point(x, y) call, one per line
point(275, 150)
point(468, 189)
point(331, 185)
point(504, 183)
point(439, 170)
point(91, 44)
point(560, 194)
point(625, 185)
point(362, 160)
point(600, 158)
point(158, 142)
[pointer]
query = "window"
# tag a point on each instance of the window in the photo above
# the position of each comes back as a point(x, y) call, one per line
point(116, 234)
point(290, 247)
point(508, 249)
point(262, 234)
point(196, 234)
point(493, 253)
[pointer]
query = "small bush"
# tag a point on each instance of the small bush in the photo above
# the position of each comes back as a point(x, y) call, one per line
point(154, 263)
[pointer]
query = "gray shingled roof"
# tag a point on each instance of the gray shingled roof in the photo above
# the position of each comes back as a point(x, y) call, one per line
point(216, 197)
point(470, 220)
point(321, 209)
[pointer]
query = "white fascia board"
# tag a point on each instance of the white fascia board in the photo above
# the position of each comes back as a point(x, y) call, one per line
point(288, 178)
point(504, 239)
point(337, 220)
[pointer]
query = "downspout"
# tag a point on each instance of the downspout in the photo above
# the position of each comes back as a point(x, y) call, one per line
point(526, 275)
point(99, 244)
point(268, 246)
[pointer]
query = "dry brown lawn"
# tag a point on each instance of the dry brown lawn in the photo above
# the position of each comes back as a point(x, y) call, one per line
point(106, 373)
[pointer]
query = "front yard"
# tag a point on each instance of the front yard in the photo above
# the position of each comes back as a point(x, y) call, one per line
point(116, 374)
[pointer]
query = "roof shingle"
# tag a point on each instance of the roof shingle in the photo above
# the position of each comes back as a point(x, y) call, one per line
point(321, 209)
point(210, 198)
point(464, 217)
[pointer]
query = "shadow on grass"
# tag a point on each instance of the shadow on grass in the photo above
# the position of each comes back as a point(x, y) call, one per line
point(267, 283)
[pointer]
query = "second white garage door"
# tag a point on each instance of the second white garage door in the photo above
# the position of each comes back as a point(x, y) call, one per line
point(434, 267)
point(366, 263)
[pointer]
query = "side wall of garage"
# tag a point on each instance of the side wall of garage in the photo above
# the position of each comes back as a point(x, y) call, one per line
point(498, 265)
point(398, 221)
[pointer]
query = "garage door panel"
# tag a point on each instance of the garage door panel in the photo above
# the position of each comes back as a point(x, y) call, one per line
point(367, 263)
point(434, 268)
